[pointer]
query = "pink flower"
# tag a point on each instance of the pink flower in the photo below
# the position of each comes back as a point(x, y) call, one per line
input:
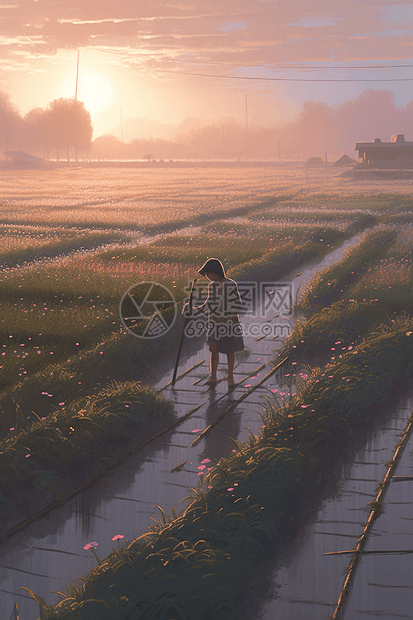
point(206, 461)
point(196, 430)
point(117, 537)
point(230, 489)
point(247, 385)
point(201, 466)
point(91, 545)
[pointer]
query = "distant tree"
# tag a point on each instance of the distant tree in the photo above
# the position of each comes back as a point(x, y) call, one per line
point(148, 156)
point(67, 123)
point(37, 131)
point(11, 124)
point(107, 147)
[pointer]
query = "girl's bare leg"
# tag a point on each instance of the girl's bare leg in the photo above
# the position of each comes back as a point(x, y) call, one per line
point(231, 360)
point(213, 347)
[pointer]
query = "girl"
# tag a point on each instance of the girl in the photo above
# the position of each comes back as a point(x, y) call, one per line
point(224, 332)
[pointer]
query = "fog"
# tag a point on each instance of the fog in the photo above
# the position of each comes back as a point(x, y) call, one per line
point(317, 129)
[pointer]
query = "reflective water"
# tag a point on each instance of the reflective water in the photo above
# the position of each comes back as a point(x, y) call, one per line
point(305, 584)
point(49, 554)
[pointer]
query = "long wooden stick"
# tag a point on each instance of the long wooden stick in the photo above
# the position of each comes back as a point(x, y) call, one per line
point(183, 333)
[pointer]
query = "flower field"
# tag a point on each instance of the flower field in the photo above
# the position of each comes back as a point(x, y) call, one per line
point(73, 242)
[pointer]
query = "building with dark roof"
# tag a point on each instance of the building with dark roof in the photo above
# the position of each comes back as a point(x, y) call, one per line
point(394, 154)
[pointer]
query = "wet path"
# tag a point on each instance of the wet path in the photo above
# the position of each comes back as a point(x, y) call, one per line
point(49, 554)
point(306, 583)
point(383, 584)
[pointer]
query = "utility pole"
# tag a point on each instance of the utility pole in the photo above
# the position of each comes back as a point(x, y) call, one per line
point(246, 125)
point(77, 75)
point(77, 81)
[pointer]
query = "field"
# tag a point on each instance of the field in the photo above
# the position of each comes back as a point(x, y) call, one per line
point(74, 241)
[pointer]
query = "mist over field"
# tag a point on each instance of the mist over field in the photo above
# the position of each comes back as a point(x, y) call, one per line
point(317, 128)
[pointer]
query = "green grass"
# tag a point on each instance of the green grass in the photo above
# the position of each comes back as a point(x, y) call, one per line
point(55, 311)
point(66, 243)
point(330, 285)
point(195, 564)
point(77, 438)
point(45, 318)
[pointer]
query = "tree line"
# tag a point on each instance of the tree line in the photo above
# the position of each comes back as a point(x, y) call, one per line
point(64, 127)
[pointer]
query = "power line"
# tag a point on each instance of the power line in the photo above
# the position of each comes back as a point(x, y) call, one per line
point(278, 66)
point(280, 79)
point(298, 67)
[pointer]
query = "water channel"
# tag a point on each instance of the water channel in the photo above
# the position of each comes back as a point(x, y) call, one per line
point(306, 580)
point(49, 554)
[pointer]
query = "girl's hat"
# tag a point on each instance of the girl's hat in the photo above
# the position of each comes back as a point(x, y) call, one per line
point(214, 265)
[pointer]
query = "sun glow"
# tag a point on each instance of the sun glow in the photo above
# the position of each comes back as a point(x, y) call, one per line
point(94, 89)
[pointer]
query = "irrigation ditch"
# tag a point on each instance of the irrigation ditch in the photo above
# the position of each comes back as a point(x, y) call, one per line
point(348, 551)
point(46, 541)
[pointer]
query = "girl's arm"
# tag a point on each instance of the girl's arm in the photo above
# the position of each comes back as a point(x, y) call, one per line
point(196, 311)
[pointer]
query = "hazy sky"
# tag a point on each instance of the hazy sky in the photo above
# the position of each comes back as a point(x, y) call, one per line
point(171, 59)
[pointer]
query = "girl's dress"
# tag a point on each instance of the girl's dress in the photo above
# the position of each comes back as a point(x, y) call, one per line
point(223, 327)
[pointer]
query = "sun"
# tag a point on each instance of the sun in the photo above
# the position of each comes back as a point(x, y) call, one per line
point(94, 89)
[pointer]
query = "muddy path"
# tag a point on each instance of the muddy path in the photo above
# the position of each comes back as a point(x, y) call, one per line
point(48, 554)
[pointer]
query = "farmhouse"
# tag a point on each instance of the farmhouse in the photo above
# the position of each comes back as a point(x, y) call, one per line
point(394, 154)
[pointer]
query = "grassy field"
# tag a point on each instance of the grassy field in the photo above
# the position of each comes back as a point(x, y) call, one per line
point(64, 349)
point(192, 564)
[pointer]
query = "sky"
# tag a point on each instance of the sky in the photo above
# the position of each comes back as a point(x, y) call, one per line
point(169, 60)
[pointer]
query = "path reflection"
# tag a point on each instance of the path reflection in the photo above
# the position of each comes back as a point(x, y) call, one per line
point(217, 441)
